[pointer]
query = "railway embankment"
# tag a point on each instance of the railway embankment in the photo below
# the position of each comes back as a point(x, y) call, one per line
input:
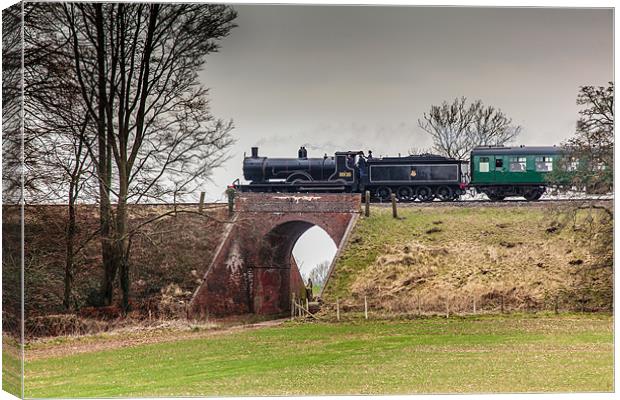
point(464, 258)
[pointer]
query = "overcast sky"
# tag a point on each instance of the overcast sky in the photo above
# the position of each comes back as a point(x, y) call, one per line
point(358, 78)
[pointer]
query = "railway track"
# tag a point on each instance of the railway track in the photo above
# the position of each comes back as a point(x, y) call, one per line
point(504, 203)
point(464, 202)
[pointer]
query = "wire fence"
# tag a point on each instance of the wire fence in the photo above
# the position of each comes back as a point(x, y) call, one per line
point(447, 306)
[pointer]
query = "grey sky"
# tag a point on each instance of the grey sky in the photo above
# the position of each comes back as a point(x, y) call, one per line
point(340, 77)
point(337, 77)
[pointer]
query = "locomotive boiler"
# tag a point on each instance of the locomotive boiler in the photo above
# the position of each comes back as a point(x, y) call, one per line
point(301, 169)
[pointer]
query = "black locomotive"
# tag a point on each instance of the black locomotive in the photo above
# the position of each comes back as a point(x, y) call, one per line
point(422, 177)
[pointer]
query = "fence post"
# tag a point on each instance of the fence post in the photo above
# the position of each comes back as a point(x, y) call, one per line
point(474, 304)
point(337, 309)
point(201, 205)
point(394, 210)
point(365, 308)
point(367, 203)
point(292, 306)
point(231, 201)
point(307, 306)
point(419, 303)
point(447, 307)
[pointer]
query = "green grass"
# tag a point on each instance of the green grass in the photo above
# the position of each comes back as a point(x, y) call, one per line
point(11, 366)
point(434, 355)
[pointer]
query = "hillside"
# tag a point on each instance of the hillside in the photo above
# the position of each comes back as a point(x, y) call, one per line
point(434, 258)
point(168, 259)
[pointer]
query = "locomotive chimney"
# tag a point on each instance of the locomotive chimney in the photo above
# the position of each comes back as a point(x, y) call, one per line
point(254, 152)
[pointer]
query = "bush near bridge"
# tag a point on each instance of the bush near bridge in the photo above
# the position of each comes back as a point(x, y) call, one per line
point(443, 259)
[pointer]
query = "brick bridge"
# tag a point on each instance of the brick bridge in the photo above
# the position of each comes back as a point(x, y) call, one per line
point(253, 270)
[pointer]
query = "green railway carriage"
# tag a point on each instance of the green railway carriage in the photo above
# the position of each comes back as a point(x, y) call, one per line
point(501, 172)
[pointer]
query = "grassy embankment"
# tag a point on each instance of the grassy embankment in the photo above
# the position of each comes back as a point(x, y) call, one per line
point(544, 353)
point(438, 257)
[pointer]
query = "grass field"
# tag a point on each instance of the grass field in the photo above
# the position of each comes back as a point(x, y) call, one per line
point(517, 353)
point(11, 366)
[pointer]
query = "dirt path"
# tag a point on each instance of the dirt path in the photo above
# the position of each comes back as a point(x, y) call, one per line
point(58, 347)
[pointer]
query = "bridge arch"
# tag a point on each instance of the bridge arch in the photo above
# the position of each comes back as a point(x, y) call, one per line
point(276, 274)
point(253, 270)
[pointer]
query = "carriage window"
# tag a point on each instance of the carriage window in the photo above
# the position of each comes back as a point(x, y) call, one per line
point(499, 164)
point(517, 164)
point(484, 164)
point(544, 164)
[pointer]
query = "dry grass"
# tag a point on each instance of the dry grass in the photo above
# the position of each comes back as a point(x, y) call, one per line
point(438, 260)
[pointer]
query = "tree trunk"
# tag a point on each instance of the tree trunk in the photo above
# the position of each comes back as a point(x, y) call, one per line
point(70, 238)
point(124, 280)
point(109, 272)
point(122, 247)
point(104, 166)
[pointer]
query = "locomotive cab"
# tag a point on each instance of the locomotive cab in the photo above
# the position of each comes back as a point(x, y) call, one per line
point(347, 166)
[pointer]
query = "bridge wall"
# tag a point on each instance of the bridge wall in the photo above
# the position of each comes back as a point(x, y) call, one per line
point(253, 270)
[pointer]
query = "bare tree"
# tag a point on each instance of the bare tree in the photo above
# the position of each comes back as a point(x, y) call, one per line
point(595, 126)
point(456, 128)
point(11, 105)
point(418, 151)
point(449, 126)
point(151, 133)
point(59, 127)
point(587, 163)
point(12, 220)
point(318, 274)
point(491, 127)
point(60, 133)
point(594, 142)
point(587, 166)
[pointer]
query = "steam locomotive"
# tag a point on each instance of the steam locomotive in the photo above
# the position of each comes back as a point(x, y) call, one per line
point(498, 172)
point(423, 177)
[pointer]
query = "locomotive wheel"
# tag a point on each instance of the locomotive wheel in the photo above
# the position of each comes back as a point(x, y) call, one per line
point(444, 193)
point(424, 193)
point(533, 195)
point(405, 193)
point(383, 193)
